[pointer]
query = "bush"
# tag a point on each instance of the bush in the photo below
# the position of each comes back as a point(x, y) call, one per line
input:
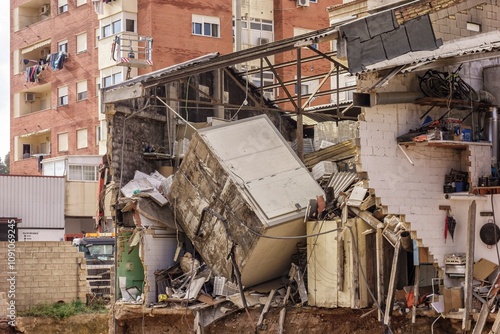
point(61, 310)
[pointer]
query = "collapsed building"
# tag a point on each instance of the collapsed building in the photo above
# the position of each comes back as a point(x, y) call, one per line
point(357, 205)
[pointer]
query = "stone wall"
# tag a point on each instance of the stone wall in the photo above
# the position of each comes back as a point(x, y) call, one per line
point(45, 272)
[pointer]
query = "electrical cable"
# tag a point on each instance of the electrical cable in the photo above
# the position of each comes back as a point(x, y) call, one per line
point(245, 101)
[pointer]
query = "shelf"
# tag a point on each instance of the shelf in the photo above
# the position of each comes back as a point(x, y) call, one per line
point(454, 144)
point(156, 156)
point(486, 190)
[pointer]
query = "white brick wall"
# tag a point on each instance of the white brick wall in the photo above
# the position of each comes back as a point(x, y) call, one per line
point(416, 191)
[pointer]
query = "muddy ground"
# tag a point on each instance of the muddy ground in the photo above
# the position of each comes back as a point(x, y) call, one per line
point(297, 321)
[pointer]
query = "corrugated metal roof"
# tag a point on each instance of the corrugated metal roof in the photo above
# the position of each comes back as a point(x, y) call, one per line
point(37, 200)
point(485, 42)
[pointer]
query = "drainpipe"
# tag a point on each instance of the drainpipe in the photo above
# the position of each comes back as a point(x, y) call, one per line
point(494, 135)
point(372, 99)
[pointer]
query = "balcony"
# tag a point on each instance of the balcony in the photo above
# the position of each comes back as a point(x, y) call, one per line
point(30, 13)
point(33, 100)
point(32, 144)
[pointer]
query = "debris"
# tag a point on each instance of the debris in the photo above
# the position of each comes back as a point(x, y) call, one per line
point(266, 308)
point(189, 264)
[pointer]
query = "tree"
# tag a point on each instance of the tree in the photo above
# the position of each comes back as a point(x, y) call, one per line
point(5, 164)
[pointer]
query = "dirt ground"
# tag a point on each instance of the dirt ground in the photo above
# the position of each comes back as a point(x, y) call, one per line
point(302, 321)
point(297, 320)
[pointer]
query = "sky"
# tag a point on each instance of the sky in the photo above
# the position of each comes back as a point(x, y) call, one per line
point(4, 78)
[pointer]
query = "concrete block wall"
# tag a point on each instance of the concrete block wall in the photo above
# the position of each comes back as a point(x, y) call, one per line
point(415, 189)
point(46, 272)
point(451, 22)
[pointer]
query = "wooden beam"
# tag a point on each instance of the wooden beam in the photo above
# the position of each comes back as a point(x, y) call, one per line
point(495, 329)
point(469, 265)
point(281, 320)
point(392, 284)
point(380, 270)
point(266, 308)
point(416, 285)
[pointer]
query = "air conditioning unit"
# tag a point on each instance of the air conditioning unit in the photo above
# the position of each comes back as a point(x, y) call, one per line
point(303, 3)
point(44, 52)
point(45, 10)
point(29, 97)
point(262, 41)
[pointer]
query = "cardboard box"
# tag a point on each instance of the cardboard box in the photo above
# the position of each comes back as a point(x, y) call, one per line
point(453, 299)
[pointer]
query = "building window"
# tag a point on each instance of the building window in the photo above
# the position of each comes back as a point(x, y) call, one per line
point(130, 25)
point(62, 6)
point(81, 43)
point(314, 1)
point(62, 46)
point(81, 90)
point(111, 29)
point(26, 151)
point(304, 89)
point(82, 173)
point(81, 138)
point(62, 142)
point(62, 94)
point(80, 2)
point(206, 25)
point(111, 80)
point(261, 25)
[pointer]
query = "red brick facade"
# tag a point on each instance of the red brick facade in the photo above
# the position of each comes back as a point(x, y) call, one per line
point(170, 25)
point(77, 114)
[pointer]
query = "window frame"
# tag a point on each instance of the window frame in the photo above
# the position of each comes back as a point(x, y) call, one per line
point(62, 99)
point(62, 46)
point(81, 132)
point(59, 136)
point(80, 39)
point(80, 93)
point(205, 26)
point(77, 173)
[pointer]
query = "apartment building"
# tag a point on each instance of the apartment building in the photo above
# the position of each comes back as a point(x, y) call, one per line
point(64, 51)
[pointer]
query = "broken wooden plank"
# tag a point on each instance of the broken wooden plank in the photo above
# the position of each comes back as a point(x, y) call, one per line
point(469, 265)
point(367, 217)
point(495, 329)
point(266, 308)
point(392, 284)
point(281, 321)
point(481, 321)
point(416, 285)
point(301, 287)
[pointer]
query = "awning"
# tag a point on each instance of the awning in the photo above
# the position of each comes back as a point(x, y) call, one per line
point(35, 46)
point(34, 133)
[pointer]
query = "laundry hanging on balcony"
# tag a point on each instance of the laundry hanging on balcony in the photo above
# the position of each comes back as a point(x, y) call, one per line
point(98, 7)
point(57, 60)
point(34, 72)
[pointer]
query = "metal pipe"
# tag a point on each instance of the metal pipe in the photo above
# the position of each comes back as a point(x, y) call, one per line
point(494, 136)
point(373, 99)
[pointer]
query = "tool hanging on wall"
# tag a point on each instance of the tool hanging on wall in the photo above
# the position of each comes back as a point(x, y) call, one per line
point(490, 233)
